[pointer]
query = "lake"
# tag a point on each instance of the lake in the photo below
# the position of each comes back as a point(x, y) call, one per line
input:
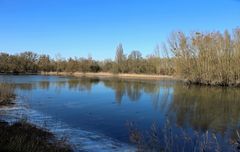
point(94, 113)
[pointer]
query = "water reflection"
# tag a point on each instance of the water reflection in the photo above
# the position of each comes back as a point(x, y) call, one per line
point(26, 86)
point(205, 108)
point(121, 88)
point(44, 84)
point(200, 108)
point(133, 88)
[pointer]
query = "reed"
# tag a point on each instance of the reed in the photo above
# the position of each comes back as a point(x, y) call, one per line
point(207, 58)
point(7, 94)
point(170, 139)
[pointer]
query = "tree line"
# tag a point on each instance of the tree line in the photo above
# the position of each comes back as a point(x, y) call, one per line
point(30, 62)
point(211, 58)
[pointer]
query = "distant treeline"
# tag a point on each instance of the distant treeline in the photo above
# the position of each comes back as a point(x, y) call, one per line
point(30, 62)
point(204, 58)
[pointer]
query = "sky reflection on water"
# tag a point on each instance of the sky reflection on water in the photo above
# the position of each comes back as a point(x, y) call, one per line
point(106, 105)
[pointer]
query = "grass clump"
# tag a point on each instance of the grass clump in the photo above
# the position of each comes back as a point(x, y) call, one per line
point(7, 94)
point(24, 137)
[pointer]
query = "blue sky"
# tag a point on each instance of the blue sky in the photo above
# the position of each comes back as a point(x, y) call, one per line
point(96, 27)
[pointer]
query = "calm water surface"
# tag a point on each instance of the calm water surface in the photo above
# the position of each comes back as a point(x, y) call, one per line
point(94, 112)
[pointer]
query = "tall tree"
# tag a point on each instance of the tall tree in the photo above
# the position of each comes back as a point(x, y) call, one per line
point(44, 63)
point(135, 62)
point(29, 60)
point(4, 62)
point(120, 58)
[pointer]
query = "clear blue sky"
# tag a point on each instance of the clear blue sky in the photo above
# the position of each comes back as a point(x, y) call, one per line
point(82, 27)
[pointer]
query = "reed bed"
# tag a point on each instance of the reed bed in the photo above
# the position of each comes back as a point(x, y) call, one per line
point(207, 58)
point(170, 139)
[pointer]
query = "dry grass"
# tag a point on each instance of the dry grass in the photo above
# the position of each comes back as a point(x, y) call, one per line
point(106, 74)
point(168, 140)
point(7, 94)
point(24, 137)
point(207, 58)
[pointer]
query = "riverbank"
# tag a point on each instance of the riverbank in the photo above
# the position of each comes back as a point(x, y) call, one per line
point(22, 136)
point(111, 75)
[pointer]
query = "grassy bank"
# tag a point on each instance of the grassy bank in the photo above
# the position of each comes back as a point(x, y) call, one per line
point(25, 137)
point(106, 74)
point(22, 136)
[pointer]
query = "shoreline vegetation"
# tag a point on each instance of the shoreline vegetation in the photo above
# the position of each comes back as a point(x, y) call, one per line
point(7, 95)
point(167, 139)
point(22, 136)
point(203, 58)
point(111, 75)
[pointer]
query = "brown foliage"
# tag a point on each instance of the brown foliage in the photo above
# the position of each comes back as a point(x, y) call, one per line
point(207, 58)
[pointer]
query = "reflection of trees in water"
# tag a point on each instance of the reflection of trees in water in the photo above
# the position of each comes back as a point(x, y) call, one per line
point(25, 86)
point(44, 85)
point(60, 84)
point(119, 86)
point(206, 108)
point(76, 84)
point(160, 94)
point(82, 84)
point(79, 85)
point(201, 108)
point(161, 99)
point(133, 89)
